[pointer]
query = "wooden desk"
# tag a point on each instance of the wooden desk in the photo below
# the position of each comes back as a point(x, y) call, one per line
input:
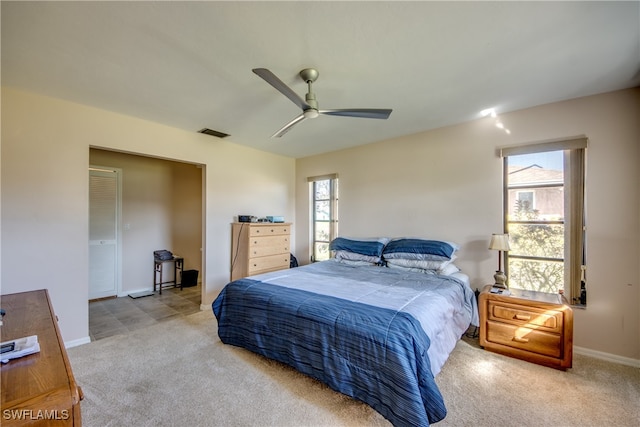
point(38, 389)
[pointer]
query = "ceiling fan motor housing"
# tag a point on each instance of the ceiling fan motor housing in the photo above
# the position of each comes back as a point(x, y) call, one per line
point(309, 75)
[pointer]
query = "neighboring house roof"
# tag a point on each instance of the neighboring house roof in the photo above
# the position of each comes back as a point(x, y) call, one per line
point(534, 174)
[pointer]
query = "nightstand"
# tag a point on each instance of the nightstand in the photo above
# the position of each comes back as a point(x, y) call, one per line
point(529, 325)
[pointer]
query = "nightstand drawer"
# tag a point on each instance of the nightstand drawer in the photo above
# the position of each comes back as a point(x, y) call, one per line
point(525, 338)
point(542, 320)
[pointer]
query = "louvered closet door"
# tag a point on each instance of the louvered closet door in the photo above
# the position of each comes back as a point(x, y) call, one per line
point(103, 233)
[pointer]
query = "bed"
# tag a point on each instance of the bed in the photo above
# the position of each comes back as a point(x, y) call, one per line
point(368, 327)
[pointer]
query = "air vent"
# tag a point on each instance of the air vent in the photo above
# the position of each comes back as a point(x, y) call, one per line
point(212, 132)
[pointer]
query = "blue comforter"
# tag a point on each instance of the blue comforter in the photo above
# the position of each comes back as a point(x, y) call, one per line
point(375, 354)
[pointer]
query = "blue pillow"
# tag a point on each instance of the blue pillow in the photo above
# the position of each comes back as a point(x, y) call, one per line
point(418, 249)
point(364, 247)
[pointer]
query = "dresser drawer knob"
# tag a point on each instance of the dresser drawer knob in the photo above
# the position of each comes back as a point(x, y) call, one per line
point(522, 340)
point(522, 317)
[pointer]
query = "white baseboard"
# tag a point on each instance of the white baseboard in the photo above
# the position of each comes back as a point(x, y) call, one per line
point(607, 356)
point(75, 343)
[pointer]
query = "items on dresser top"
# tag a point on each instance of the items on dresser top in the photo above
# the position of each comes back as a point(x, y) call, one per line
point(39, 384)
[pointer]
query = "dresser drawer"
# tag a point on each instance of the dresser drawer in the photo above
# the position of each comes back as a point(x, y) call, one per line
point(271, 262)
point(268, 230)
point(523, 338)
point(268, 245)
point(541, 320)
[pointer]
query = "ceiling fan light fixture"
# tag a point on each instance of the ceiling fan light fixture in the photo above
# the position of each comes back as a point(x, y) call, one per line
point(310, 113)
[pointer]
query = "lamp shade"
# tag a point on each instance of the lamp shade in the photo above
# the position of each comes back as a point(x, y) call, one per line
point(499, 242)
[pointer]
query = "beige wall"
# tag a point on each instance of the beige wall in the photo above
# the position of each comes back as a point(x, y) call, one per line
point(447, 184)
point(186, 215)
point(444, 184)
point(44, 230)
point(161, 209)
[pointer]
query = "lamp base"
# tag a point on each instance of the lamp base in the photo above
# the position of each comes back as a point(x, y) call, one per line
point(501, 280)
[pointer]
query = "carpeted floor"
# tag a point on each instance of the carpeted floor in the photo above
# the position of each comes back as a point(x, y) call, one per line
point(179, 373)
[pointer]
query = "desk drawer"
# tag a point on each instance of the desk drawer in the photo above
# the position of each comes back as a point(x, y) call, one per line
point(524, 338)
point(272, 262)
point(538, 319)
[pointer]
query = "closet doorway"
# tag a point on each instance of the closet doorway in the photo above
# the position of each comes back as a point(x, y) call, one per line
point(104, 241)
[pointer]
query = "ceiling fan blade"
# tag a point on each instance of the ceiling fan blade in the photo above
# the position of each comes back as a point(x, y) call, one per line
point(274, 81)
point(367, 113)
point(286, 128)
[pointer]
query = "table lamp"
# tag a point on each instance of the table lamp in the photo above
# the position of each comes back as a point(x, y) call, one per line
point(500, 243)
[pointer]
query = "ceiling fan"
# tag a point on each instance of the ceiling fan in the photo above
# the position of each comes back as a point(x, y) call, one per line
point(309, 105)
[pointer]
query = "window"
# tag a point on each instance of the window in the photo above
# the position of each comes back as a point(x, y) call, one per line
point(544, 216)
point(324, 215)
point(525, 198)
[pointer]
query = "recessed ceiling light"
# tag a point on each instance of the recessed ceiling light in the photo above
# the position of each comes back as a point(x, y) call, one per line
point(488, 112)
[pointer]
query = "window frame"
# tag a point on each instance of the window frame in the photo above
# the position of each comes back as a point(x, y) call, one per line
point(574, 260)
point(333, 212)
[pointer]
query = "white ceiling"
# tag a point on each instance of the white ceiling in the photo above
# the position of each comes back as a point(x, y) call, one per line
point(188, 64)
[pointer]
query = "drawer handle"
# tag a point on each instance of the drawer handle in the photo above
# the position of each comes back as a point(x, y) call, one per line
point(522, 317)
point(522, 340)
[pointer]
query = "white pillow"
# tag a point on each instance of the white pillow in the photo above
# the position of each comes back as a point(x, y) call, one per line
point(426, 264)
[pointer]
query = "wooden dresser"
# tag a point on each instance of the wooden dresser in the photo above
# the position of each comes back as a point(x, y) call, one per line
point(258, 247)
point(38, 389)
point(528, 325)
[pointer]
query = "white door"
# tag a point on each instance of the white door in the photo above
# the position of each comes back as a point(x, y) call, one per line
point(104, 208)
